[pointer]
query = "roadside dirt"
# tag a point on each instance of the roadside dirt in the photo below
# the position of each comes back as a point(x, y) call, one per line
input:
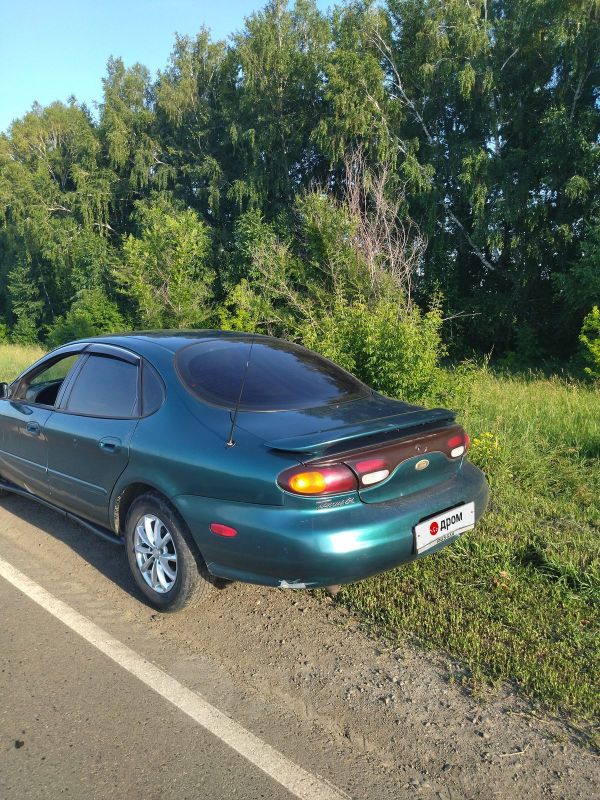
point(302, 673)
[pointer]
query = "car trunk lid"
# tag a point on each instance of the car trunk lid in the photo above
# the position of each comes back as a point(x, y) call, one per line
point(318, 431)
point(408, 443)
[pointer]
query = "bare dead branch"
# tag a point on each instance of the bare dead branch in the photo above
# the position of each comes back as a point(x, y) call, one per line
point(514, 53)
point(390, 244)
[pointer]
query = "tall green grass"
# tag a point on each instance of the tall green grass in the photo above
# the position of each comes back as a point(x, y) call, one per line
point(15, 358)
point(518, 598)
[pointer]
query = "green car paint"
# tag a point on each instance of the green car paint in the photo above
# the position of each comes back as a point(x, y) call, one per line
point(94, 467)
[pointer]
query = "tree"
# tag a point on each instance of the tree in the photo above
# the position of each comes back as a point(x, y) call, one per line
point(485, 114)
point(165, 270)
point(54, 210)
point(279, 59)
point(502, 99)
point(192, 98)
point(128, 137)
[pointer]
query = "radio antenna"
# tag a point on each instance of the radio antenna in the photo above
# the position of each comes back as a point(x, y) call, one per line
point(231, 441)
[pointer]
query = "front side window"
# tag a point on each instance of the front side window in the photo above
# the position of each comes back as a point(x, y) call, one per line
point(105, 387)
point(43, 384)
point(280, 375)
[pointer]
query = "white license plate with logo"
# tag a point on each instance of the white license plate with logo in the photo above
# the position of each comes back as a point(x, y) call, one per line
point(444, 526)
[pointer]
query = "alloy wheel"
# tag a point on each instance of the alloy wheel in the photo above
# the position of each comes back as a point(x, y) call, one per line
point(155, 553)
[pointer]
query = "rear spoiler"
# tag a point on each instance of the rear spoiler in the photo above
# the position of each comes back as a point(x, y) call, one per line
point(319, 441)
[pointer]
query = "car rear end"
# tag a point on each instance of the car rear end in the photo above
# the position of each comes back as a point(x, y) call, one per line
point(370, 482)
point(347, 512)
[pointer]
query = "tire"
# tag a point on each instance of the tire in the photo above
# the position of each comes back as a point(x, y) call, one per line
point(174, 574)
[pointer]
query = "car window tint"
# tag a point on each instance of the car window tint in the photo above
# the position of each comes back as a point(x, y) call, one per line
point(44, 385)
point(105, 387)
point(152, 391)
point(280, 376)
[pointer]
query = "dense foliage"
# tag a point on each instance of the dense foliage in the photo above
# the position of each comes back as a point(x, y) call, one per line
point(221, 192)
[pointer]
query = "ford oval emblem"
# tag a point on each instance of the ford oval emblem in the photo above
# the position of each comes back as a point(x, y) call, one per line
point(422, 464)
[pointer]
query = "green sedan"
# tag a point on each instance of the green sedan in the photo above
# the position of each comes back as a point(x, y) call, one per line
point(217, 456)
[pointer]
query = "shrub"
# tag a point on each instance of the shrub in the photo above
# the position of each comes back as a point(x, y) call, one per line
point(91, 314)
point(24, 331)
point(394, 349)
point(336, 276)
point(590, 343)
point(243, 309)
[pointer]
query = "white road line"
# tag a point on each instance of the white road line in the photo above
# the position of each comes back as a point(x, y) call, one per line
point(296, 780)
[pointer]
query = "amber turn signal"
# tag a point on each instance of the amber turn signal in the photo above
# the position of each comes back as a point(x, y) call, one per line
point(318, 481)
point(308, 483)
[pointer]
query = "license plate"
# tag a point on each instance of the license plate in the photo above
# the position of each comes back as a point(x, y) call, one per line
point(444, 526)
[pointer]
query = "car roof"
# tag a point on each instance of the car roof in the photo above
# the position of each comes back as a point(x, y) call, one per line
point(172, 340)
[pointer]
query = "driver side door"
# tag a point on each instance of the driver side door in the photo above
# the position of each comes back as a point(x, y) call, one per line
point(23, 419)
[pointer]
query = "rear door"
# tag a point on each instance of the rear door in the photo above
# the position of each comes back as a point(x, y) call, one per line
point(88, 436)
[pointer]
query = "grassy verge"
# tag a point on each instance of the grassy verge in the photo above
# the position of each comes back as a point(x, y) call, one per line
point(518, 598)
point(14, 358)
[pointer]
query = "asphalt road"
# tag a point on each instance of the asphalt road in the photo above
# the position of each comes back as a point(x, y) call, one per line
point(258, 694)
point(76, 725)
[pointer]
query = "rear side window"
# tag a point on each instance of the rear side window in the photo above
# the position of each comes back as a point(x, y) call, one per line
point(105, 387)
point(280, 375)
point(152, 390)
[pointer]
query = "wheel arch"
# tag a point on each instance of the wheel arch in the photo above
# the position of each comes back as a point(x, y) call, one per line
point(126, 497)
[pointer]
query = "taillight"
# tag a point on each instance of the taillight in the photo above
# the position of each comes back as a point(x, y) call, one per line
point(458, 445)
point(371, 471)
point(319, 480)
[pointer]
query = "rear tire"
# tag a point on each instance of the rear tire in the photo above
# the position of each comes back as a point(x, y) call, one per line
point(163, 558)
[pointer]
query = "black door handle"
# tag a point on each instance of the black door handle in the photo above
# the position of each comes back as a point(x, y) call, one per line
point(33, 428)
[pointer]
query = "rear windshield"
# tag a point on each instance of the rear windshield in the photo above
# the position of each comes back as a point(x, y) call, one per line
point(280, 375)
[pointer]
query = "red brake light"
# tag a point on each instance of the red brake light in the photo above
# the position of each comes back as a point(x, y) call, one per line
point(318, 480)
point(370, 466)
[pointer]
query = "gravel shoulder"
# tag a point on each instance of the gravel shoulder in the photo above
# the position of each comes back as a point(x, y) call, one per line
point(302, 673)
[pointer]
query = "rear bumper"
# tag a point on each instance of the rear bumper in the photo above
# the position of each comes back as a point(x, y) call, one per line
point(308, 547)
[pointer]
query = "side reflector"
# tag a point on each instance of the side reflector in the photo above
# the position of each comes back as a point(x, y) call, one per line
point(222, 530)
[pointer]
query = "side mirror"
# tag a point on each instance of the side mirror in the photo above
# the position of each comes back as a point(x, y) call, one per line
point(4, 391)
